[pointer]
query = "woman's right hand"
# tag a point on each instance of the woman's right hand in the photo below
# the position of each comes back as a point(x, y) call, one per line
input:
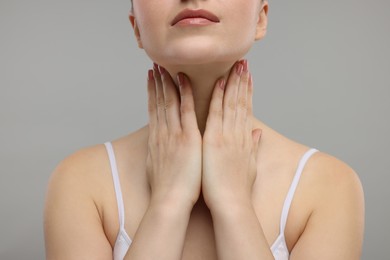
point(174, 160)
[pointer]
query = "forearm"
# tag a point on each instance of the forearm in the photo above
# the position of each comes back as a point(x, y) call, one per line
point(239, 234)
point(161, 234)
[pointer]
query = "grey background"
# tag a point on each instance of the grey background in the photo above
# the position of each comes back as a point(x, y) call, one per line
point(71, 76)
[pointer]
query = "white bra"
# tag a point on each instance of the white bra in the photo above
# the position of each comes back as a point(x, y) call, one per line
point(278, 248)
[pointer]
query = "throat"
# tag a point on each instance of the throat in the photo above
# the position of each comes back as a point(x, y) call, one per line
point(203, 79)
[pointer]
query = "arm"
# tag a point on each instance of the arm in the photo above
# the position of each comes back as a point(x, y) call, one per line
point(335, 227)
point(173, 168)
point(230, 151)
point(161, 234)
point(73, 225)
point(74, 228)
point(238, 233)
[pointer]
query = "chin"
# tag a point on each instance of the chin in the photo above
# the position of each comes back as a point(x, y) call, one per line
point(195, 52)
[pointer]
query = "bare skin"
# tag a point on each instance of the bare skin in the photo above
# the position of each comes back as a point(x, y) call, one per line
point(326, 214)
point(199, 181)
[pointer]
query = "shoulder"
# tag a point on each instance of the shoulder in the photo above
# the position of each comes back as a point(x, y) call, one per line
point(332, 184)
point(332, 178)
point(86, 165)
point(335, 226)
point(323, 175)
point(85, 172)
point(78, 168)
point(72, 216)
point(76, 179)
point(80, 207)
point(329, 198)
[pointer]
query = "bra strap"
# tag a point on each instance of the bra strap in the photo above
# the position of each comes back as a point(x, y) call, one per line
point(117, 186)
point(293, 187)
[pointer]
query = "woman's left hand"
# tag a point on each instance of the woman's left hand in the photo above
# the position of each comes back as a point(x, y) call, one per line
point(230, 144)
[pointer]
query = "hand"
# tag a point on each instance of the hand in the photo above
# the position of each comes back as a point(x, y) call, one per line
point(230, 145)
point(174, 158)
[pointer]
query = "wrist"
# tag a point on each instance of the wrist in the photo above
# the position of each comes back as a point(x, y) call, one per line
point(231, 206)
point(228, 199)
point(171, 204)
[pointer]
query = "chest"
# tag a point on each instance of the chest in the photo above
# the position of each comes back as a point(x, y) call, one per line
point(200, 242)
point(268, 198)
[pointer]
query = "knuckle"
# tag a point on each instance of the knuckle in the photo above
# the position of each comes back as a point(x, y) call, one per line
point(231, 104)
point(216, 111)
point(245, 79)
point(176, 133)
point(242, 103)
point(169, 103)
point(245, 76)
point(186, 108)
point(185, 96)
point(160, 103)
point(219, 94)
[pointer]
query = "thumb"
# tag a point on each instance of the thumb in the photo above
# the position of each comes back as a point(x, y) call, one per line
point(256, 136)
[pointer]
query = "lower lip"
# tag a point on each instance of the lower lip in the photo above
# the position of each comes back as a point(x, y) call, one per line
point(195, 22)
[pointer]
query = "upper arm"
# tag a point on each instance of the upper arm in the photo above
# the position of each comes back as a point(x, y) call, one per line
point(72, 224)
point(335, 227)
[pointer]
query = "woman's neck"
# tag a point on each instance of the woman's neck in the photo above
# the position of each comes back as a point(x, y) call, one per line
point(203, 79)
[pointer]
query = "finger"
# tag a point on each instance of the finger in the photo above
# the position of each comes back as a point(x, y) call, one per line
point(256, 136)
point(171, 99)
point(250, 95)
point(230, 98)
point(160, 102)
point(152, 106)
point(250, 103)
point(242, 98)
point(215, 117)
point(187, 106)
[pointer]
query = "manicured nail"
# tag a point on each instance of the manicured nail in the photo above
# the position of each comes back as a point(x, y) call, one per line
point(221, 84)
point(180, 79)
point(162, 70)
point(150, 75)
point(239, 68)
point(245, 65)
point(156, 71)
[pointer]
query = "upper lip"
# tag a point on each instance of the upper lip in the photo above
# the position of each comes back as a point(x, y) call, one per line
point(200, 13)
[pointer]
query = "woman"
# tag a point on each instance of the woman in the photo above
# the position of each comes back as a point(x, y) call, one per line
point(204, 179)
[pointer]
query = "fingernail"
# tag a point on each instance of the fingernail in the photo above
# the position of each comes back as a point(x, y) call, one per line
point(180, 79)
point(239, 68)
point(245, 65)
point(162, 70)
point(150, 75)
point(156, 70)
point(221, 84)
